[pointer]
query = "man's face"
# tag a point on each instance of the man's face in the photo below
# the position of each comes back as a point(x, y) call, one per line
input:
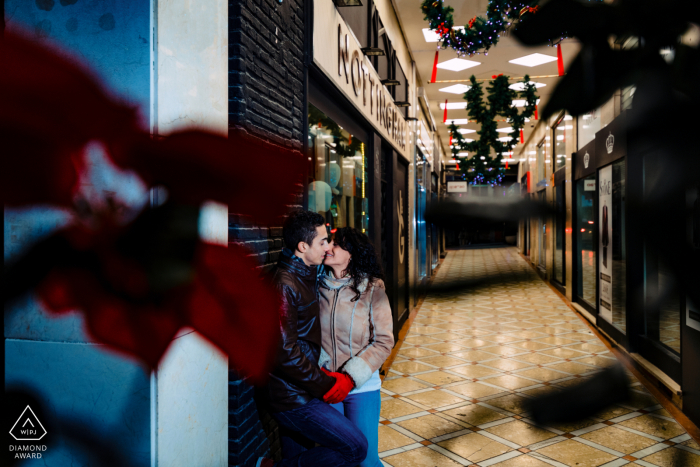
point(316, 252)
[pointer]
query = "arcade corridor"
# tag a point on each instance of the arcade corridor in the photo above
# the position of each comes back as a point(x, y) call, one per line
point(454, 394)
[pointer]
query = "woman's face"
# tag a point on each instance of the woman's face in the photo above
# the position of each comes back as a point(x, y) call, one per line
point(337, 257)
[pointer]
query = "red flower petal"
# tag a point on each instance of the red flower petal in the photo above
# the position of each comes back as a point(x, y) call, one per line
point(236, 310)
point(49, 108)
point(249, 175)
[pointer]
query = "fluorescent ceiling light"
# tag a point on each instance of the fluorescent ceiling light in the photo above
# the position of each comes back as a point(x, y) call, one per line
point(533, 60)
point(521, 86)
point(464, 131)
point(456, 89)
point(462, 154)
point(505, 139)
point(457, 64)
point(568, 117)
point(458, 121)
point(454, 105)
point(521, 102)
point(505, 130)
point(432, 36)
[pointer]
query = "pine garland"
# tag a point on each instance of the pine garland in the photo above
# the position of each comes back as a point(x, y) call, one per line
point(481, 168)
point(479, 33)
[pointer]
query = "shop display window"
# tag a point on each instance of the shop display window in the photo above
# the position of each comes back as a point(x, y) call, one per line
point(541, 162)
point(422, 233)
point(588, 124)
point(612, 245)
point(563, 133)
point(542, 235)
point(586, 190)
point(338, 186)
point(559, 226)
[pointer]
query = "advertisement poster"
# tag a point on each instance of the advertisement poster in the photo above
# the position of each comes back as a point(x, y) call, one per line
point(605, 244)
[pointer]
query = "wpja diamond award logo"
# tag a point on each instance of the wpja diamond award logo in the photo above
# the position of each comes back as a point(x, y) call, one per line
point(28, 428)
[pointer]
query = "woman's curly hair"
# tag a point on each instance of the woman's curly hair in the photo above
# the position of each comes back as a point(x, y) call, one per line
point(364, 263)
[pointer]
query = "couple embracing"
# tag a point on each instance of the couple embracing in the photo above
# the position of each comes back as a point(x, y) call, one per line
point(337, 332)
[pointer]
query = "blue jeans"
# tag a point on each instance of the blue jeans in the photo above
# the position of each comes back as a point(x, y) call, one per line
point(341, 442)
point(363, 410)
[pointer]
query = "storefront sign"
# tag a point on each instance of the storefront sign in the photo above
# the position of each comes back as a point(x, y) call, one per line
point(589, 185)
point(456, 187)
point(338, 54)
point(611, 141)
point(585, 162)
point(605, 246)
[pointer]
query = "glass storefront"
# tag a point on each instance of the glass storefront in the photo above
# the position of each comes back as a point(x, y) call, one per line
point(559, 226)
point(563, 132)
point(339, 179)
point(588, 125)
point(585, 239)
point(612, 245)
point(540, 162)
point(542, 235)
point(422, 241)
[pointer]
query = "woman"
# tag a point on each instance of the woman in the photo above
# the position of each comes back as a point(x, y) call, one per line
point(357, 329)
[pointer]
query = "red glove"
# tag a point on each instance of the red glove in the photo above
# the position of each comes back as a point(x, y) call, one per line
point(343, 385)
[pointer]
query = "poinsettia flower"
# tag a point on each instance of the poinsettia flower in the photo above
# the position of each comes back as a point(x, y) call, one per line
point(50, 107)
point(224, 299)
point(248, 174)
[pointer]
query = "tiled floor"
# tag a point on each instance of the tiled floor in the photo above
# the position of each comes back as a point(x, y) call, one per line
point(454, 394)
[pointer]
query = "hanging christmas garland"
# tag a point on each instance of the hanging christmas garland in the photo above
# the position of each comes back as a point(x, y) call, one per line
point(480, 33)
point(481, 168)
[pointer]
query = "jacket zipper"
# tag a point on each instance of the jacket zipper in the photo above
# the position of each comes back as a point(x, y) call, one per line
point(335, 301)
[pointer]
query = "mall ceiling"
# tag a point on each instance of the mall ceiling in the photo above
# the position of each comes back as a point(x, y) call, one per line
point(496, 62)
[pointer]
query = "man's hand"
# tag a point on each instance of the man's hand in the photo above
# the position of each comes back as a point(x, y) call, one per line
point(343, 385)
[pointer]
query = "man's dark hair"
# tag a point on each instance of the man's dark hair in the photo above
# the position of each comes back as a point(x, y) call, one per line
point(300, 226)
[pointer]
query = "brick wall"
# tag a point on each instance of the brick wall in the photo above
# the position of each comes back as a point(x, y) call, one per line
point(266, 99)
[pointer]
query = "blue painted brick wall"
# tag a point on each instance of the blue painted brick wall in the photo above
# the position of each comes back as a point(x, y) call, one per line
point(266, 82)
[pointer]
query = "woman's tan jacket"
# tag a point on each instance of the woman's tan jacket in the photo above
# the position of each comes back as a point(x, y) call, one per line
point(357, 337)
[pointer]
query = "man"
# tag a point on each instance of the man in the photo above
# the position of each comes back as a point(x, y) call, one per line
point(297, 383)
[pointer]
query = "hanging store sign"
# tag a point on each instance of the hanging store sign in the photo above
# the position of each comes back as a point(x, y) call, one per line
point(339, 55)
point(585, 162)
point(456, 187)
point(605, 253)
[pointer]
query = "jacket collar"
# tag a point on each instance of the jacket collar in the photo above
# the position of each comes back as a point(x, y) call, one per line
point(332, 283)
point(292, 262)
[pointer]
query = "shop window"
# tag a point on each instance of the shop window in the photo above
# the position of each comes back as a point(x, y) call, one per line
point(586, 246)
point(559, 226)
point(422, 233)
point(541, 153)
point(563, 133)
point(612, 245)
point(588, 125)
point(339, 180)
point(542, 236)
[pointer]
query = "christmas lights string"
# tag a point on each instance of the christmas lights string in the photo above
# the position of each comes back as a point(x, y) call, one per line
point(479, 34)
point(481, 168)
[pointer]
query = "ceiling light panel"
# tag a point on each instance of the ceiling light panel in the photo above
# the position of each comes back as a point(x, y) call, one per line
point(432, 36)
point(456, 89)
point(465, 131)
point(457, 64)
point(522, 102)
point(458, 121)
point(505, 130)
point(533, 60)
point(521, 86)
point(454, 105)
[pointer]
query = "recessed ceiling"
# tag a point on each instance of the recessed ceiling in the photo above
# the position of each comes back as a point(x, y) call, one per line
point(496, 62)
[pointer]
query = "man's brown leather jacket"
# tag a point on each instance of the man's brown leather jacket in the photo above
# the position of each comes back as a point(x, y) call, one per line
point(296, 377)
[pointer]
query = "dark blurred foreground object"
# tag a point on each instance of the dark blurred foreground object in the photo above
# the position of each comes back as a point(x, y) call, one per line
point(139, 282)
point(574, 403)
point(457, 214)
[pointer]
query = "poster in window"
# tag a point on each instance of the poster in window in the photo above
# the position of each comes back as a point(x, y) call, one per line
point(605, 246)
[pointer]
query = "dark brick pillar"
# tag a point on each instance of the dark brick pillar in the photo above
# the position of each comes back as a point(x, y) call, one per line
point(266, 99)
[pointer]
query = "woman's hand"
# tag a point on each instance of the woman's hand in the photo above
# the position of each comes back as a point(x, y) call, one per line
point(343, 385)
